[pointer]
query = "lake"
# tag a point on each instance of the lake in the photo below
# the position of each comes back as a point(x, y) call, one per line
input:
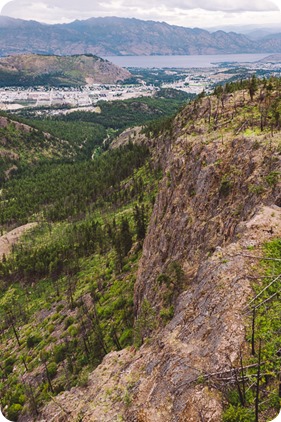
point(182, 61)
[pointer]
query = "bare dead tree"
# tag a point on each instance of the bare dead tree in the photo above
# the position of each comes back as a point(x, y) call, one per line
point(31, 399)
point(243, 376)
point(253, 332)
point(258, 385)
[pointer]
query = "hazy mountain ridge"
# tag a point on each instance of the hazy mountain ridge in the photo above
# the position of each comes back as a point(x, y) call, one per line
point(123, 36)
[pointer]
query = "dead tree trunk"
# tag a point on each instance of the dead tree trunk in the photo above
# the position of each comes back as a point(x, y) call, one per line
point(258, 386)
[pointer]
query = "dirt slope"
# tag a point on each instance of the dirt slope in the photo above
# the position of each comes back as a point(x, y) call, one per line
point(11, 238)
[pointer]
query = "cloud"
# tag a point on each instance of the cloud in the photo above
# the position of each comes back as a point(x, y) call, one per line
point(214, 5)
point(172, 11)
point(229, 5)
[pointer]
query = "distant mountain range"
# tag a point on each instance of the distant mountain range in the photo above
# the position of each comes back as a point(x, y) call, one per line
point(122, 36)
point(252, 31)
point(32, 69)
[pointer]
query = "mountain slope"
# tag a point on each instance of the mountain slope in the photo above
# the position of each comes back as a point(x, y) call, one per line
point(161, 315)
point(179, 374)
point(22, 145)
point(117, 36)
point(218, 203)
point(31, 69)
point(271, 43)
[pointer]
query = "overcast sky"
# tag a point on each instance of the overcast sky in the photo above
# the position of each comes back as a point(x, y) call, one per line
point(190, 13)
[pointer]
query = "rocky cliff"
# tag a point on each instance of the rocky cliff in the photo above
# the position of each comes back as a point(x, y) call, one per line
point(216, 202)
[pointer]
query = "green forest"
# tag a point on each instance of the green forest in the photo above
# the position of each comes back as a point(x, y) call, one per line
point(120, 114)
point(66, 292)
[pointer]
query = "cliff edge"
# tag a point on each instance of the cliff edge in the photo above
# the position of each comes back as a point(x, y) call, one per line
point(218, 203)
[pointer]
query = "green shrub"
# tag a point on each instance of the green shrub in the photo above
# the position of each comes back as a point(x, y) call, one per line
point(258, 189)
point(238, 414)
point(145, 323)
point(126, 337)
point(8, 370)
point(14, 412)
point(72, 330)
point(59, 307)
point(55, 316)
point(226, 185)
point(32, 341)
point(163, 278)
point(68, 322)
point(51, 328)
point(167, 314)
point(272, 178)
point(52, 369)
point(233, 397)
point(59, 353)
point(83, 378)
point(59, 385)
point(10, 361)
point(17, 397)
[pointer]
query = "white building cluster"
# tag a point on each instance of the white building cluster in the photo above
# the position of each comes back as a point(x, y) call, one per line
point(13, 98)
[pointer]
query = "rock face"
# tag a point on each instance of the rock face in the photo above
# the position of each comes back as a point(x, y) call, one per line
point(202, 201)
point(32, 69)
point(208, 214)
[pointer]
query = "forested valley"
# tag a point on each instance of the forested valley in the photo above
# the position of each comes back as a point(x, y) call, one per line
point(66, 288)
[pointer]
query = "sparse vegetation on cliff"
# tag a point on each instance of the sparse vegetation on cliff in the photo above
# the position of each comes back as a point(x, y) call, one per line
point(257, 390)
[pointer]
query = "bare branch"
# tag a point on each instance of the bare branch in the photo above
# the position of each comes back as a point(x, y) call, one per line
point(263, 290)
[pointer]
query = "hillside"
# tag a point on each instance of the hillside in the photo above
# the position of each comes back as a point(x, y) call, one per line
point(32, 70)
point(119, 36)
point(272, 43)
point(22, 145)
point(273, 58)
point(134, 291)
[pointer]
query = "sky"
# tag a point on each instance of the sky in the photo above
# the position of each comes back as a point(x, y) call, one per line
point(188, 13)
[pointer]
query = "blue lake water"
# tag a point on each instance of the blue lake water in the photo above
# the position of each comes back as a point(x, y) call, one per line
point(182, 61)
